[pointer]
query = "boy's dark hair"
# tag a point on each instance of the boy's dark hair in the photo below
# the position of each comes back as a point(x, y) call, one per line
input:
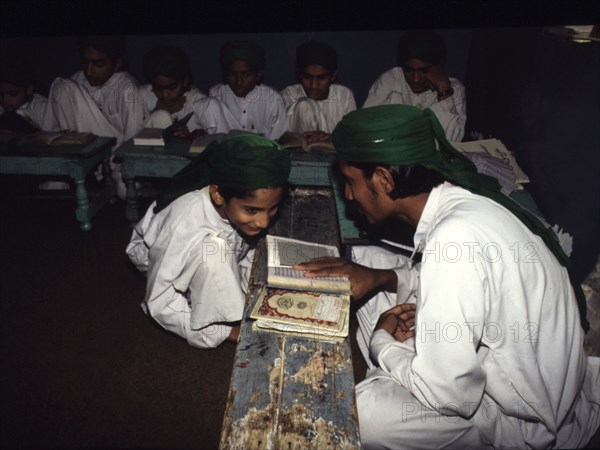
point(426, 45)
point(112, 46)
point(16, 69)
point(408, 180)
point(249, 52)
point(315, 52)
point(229, 193)
point(168, 61)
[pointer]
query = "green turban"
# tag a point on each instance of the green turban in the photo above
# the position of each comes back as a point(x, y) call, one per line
point(407, 136)
point(243, 162)
point(249, 52)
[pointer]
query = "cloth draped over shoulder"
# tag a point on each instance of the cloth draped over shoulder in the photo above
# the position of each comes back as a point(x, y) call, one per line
point(405, 135)
point(243, 162)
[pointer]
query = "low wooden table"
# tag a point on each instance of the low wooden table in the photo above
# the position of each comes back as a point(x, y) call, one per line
point(163, 162)
point(288, 391)
point(76, 161)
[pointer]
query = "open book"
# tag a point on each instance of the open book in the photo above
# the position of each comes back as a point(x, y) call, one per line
point(496, 149)
point(311, 314)
point(201, 142)
point(290, 139)
point(57, 138)
point(283, 253)
point(158, 136)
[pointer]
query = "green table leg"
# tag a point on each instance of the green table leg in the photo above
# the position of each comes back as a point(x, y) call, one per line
point(83, 205)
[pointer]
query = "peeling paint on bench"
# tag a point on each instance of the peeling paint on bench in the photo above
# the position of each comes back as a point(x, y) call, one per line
point(291, 392)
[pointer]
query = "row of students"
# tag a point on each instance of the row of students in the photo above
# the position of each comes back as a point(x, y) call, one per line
point(105, 99)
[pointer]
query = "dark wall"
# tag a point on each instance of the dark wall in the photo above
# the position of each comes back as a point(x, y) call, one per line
point(540, 95)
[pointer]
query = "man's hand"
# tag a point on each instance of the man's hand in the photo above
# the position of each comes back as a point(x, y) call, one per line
point(363, 280)
point(182, 132)
point(316, 136)
point(438, 79)
point(398, 321)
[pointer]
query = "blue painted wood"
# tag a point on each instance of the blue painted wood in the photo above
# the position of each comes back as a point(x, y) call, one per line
point(289, 391)
point(75, 161)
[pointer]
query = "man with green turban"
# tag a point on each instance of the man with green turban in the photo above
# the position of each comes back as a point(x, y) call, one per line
point(250, 105)
point(482, 346)
point(195, 242)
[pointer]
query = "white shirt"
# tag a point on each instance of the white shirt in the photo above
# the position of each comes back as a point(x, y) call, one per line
point(33, 110)
point(497, 327)
point(338, 103)
point(261, 111)
point(118, 101)
point(208, 112)
point(391, 88)
point(196, 266)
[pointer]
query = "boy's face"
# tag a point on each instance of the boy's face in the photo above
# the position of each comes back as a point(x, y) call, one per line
point(241, 77)
point(415, 72)
point(169, 90)
point(358, 189)
point(12, 97)
point(98, 67)
point(252, 215)
point(315, 80)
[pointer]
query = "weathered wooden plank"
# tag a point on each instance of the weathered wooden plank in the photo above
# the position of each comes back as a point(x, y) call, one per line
point(288, 391)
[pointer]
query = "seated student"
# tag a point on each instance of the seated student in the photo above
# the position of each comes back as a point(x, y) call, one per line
point(101, 98)
point(196, 249)
point(484, 348)
point(420, 80)
point(250, 105)
point(169, 95)
point(17, 92)
point(316, 104)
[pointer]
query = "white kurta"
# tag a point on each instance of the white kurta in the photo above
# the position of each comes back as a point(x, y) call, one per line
point(261, 111)
point(497, 359)
point(33, 111)
point(305, 114)
point(197, 268)
point(391, 88)
point(112, 109)
point(209, 114)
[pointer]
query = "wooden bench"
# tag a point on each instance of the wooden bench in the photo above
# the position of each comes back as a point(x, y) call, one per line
point(288, 391)
point(76, 161)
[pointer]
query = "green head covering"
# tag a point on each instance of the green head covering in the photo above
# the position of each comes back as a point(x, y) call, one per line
point(406, 136)
point(249, 52)
point(243, 162)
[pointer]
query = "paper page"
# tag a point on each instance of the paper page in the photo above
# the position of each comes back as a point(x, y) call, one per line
point(287, 252)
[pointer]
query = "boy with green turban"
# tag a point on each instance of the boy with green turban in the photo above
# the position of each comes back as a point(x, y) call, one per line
point(196, 244)
point(481, 345)
point(250, 105)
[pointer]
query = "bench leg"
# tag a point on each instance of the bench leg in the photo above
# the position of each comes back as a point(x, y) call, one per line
point(131, 197)
point(83, 205)
point(109, 182)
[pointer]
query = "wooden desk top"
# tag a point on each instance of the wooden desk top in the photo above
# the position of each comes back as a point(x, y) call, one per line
point(70, 150)
point(289, 391)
